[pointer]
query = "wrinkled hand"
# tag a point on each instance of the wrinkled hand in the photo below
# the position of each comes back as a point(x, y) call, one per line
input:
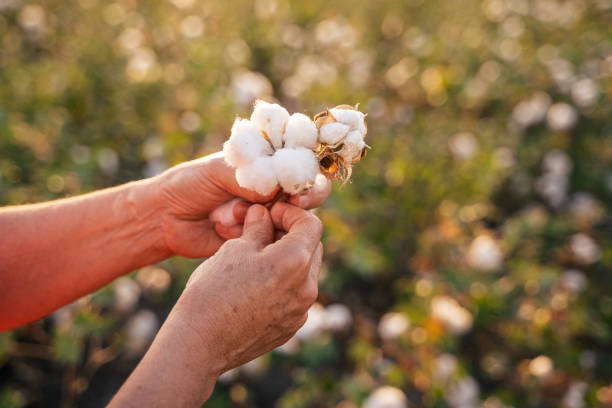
point(254, 293)
point(188, 194)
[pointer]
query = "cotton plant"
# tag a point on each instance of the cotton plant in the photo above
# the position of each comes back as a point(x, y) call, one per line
point(274, 148)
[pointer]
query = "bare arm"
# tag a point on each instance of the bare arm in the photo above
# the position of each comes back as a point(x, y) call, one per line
point(53, 253)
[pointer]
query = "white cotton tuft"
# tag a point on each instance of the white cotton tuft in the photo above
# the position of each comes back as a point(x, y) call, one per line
point(300, 131)
point(332, 133)
point(362, 128)
point(352, 118)
point(353, 145)
point(270, 118)
point(296, 169)
point(245, 144)
point(258, 176)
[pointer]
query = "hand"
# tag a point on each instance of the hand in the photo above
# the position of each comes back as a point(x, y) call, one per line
point(254, 294)
point(249, 298)
point(189, 192)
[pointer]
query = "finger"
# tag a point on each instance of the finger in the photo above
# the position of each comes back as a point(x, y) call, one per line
point(230, 213)
point(229, 232)
point(258, 228)
point(303, 229)
point(240, 210)
point(315, 196)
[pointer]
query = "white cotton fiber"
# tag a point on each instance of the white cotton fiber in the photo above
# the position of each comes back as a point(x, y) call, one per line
point(332, 133)
point(300, 131)
point(258, 176)
point(353, 145)
point(270, 118)
point(362, 128)
point(245, 144)
point(351, 118)
point(296, 169)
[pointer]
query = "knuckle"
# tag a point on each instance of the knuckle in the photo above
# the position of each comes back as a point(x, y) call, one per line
point(296, 259)
point(301, 258)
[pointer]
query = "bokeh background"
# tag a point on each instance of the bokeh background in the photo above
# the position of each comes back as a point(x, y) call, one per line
point(468, 264)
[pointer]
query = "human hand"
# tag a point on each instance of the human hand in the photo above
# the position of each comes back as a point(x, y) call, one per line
point(254, 294)
point(247, 299)
point(189, 192)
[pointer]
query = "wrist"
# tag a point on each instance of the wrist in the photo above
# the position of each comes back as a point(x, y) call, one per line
point(196, 323)
point(173, 372)
point(145, 207)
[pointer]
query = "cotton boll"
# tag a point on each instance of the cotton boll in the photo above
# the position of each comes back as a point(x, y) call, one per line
point(351, 118)
point(463, 393)
point(455, 318)
point(353, 145)
point(296, 169)
point(140, 330)
point(485, 254)
point(332, 133)
point(386, 397)
point(300, 131)
point(259, 176)
point(541, 366)
point(315, 323)
point(270, 118)
point(392, 325)
point(338, 317)
point(127, 293)
point(245, 144)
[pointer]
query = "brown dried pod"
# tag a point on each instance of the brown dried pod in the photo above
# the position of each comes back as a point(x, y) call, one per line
point(335, 161)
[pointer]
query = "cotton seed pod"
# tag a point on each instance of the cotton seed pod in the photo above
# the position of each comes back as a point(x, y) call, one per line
point(296, 169)
point(337, 150)
point(259, 176)
point(246, 143)
point(352, 147)
point(300, 131)
point(270, 118)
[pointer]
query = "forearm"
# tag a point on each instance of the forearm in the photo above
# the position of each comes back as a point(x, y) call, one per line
point(53, 253)
point(179, 370)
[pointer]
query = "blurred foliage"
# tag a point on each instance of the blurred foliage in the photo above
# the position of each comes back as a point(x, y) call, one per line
point(480, 219)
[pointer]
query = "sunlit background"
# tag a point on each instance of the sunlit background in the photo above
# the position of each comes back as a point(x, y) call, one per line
point(468, 264)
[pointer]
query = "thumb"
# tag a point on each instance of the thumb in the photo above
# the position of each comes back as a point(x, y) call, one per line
point(258, 227)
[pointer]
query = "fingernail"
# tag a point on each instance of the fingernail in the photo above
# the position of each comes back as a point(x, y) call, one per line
point(240, 210)
point(255, 213)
